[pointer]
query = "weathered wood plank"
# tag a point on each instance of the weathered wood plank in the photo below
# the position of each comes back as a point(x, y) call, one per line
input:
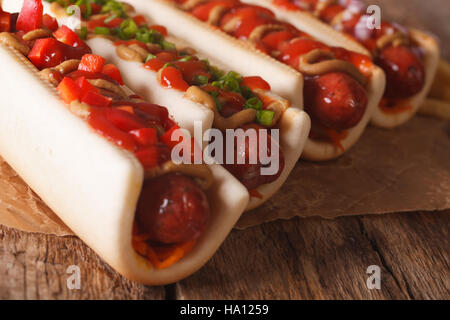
point(323, 259)
point(415, 250)
point(33, 266)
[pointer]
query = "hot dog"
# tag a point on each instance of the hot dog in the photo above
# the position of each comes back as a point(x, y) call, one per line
point(287, 55)
point(172, 209)
point(94, 151)
point(408, 57)
point(157, 68)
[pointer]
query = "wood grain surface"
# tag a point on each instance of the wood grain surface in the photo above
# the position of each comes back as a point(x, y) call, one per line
point(296, 259)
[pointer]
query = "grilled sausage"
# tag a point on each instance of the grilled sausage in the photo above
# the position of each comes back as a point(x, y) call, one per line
point(335, 100)
point(250, 174)
point(405, 74)
point(172, 209)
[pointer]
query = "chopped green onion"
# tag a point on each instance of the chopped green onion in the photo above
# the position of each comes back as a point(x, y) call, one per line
point(166, 45)
point(186, 58)
point(265, 117)
point(246, 92)
point(70, 11)
point(215, 96)
point(200, 79)
point(253, 103)
point(102, 30)
point(83, 33)
point(218, 84)
point(87, 6)
point(234, 75)
point(115, 7)
point(149, 57)
point(110, 18)
point(155, 36)
point(143, 35)
point(230, 82)
point(168, 64)
point(129, 28)
point(216, 73)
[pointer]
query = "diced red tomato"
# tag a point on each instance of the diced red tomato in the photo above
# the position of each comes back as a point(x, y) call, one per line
point(69, 90)
point(90, 75)
point(94, 23)
point(49, 22)
point(145, 136)
point(96, 8)
point(124, 120)
point(49, 52)
point(112, 71)
point(30, 17)
point(166, 138)
point(5, 22)
point(167, 56)
point(92, 63)
point(97, 120)
point(154, 64)
point(255, 83)
point(160, 29)
point(114, 23)
point(149, 156)
point(95, 99)
point(140, 20)
point(85, 86)
point(171, 77)
point(152, 113)
point(69, 37)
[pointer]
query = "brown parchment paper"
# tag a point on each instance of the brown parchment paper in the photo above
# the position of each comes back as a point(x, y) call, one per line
point(400, 170)
point(406, 169)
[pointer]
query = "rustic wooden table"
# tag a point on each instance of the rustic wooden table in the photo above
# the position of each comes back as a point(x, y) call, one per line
point(296, 259)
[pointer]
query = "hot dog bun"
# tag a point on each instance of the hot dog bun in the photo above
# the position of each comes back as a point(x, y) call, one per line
point(91, 184)
point(294, 124)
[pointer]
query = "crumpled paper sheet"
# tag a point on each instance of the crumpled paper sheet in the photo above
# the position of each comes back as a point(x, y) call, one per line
point(405, 169)
point(22, 209)
point(400, 170)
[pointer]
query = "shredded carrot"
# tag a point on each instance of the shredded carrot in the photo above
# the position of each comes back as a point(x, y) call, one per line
point(336, 137)
point(160, 257)
point(169, 258)
point(394, 106)
point(255, 193)
point(330, 135)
